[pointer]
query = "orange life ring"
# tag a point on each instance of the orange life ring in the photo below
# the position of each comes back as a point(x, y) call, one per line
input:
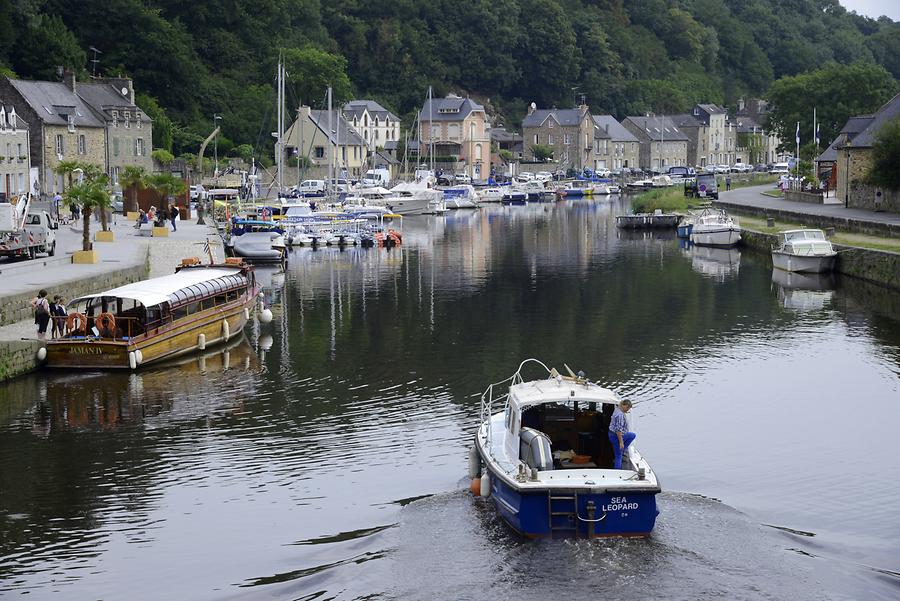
point(106, 325)
point(82, 323)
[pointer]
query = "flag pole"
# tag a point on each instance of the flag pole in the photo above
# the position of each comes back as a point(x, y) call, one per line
point(797, 157)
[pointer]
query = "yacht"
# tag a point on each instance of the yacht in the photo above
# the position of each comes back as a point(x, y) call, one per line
point(714, 227)
point(804, 251)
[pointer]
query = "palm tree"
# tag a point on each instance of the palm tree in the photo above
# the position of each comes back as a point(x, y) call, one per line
point(89, 194)
point(165, 185)
point(134, 177)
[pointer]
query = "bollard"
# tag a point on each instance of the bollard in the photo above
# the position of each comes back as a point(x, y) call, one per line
point(770, 222)
point(829, 232)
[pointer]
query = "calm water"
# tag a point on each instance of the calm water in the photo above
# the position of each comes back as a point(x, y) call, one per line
point(324, 455)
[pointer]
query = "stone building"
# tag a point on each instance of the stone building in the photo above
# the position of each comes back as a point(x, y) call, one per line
point(751, 118)
point(854, 160)
point(61, 127)
point(326, 140)
point(129, 131)
point(662, 144)
point(374, 123)
point(614, 146)
point(569, 132)
point(720, 136)
point(15, 163)
point(456, 127)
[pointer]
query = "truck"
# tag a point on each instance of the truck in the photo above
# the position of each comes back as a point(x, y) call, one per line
point(24, 232)
point(704, 185)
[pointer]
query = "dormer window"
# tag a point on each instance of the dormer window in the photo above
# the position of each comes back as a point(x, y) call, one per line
point(127, 115)
point(127, 122)
point(697, 112)
point(115, 114)
point(13, 120)
point(71, 120)
point(2, 118)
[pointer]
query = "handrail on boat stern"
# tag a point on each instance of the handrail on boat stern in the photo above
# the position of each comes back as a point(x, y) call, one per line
point(487, 397)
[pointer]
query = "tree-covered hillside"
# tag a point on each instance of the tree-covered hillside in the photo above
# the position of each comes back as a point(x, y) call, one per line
point(190, 60)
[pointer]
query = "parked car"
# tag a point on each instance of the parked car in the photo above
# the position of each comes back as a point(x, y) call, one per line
point(779, 169)
point(198, 192)
point(462, 178)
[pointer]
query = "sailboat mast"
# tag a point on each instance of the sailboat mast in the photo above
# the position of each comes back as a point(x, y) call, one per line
point(431, 128)
point(330, 144)
point(279, 144)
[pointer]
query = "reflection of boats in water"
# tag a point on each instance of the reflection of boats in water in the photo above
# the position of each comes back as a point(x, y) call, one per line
point(715, 262)
point(548, 462)
point(803, 291)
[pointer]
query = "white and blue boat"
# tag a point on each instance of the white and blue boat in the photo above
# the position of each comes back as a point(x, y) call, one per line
point(542, 454)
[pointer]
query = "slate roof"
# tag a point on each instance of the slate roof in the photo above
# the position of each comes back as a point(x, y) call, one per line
point(103, 97)
point(7, 111)
point(686, 120)
point(748, 125)
point(499, 134)
point(888, 112)
point(355, 108)
point(830, 154)
point(712, 109)
point(617, 131)
point(52, 100)
point(452, 108)
point(658, 128)
point(564, 117)
point(346, 135)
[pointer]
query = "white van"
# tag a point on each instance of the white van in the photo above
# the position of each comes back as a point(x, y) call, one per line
point(377, 177)
point(312, 187)
point(780, 169)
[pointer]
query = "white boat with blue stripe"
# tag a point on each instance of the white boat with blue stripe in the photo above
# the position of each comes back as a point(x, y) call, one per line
point(542, 454)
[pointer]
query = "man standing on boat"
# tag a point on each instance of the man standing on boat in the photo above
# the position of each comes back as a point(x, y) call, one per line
point(619, 436)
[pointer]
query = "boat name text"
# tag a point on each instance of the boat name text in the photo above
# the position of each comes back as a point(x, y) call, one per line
point(619, 504)
point(86, 350)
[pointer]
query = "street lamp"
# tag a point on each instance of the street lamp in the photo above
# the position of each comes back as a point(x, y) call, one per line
point(216, 118)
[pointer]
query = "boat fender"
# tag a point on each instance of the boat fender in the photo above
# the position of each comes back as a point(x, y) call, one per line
point(475, 487)
point(474, 463)
point(132, 361)
point(226, 333)
point(485, 485)
point(265, 316)
point(201, 341)
point(246, 313)
point(138, 356)
point(42, 353)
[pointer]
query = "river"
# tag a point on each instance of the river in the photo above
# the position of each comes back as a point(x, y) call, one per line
point(323, 456)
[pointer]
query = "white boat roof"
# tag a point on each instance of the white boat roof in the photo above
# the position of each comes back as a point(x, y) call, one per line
point(157, 290)
point(558, 390)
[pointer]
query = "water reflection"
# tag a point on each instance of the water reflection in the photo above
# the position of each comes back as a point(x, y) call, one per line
point(718, 264)
point(803, 291)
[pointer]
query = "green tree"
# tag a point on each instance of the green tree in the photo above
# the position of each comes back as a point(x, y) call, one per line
point(45, 45)
point(165, 185)
point(541, 152)
point(311, 71)
point(134, 177)
point(162, 156)
point(885, 169)
point(89, 194)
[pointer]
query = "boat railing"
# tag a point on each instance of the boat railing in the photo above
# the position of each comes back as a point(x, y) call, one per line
point(488, 398)
point(121, 329)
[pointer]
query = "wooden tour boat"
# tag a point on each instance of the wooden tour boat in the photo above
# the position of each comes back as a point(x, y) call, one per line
point(156, 319)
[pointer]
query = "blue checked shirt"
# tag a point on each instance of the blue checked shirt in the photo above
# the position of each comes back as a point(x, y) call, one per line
point(618, 423)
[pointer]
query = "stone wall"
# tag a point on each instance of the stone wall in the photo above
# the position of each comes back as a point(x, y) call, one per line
point(820, 221)
point(798, 196)
point(865, 196)
point(18, 357)
point(16, 308)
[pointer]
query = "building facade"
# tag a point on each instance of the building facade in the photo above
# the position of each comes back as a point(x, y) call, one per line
point(615, 147)
point(129, 131)
point(456, 127)
point(662, 144)
point(720, 138)
point(15, 161)
point(569, 132)
point(374, 123)
point(321, 140)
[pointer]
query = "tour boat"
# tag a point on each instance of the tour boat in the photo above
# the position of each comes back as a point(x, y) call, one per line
point(156, 319)
point(804, 251)
point(543, 455)
point(714, 227)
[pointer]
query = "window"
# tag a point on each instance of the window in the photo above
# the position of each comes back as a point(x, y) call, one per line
point(454, 131)
point(550, 139)
point(19, 154)
point(82, 145)
point(60, 148)
point(478, 152)
point(115, 146)
point(140, 124)
point(71, 120)
point(567, 139)
point(320, 152)
point(472, 131)
point(115, 175)
point(127, 122)
point(536, 139)
point(376, 134)
point(550, 124)
point(139, 147)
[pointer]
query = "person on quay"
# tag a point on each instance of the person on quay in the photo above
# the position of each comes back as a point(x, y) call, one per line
point(173, 215)
point(59, 317)
point(619, 436)
point(55, 328)
point(41, 307)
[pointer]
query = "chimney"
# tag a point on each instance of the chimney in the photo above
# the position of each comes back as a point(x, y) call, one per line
point(531, 108)
point(123, 85)
point(69, 79)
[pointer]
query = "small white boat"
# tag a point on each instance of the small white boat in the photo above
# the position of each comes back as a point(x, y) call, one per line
point(661, 181)
point(494, 194)
point(804, 251)
point(715, 227)
point(544, 457)
point(460, 197)
point(259, 246)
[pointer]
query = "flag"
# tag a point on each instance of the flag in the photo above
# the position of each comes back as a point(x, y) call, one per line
point(817, 134)
point(206, 246)
point(798, 132)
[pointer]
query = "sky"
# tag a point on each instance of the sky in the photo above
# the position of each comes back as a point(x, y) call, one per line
point(874, 8)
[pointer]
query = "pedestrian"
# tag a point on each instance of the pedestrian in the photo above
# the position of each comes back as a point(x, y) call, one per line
point(173, 215)
point(57, 316)
point(727, 183)
point(619, 436)
point(73, 209)
point(151, 214)
point(41, 307)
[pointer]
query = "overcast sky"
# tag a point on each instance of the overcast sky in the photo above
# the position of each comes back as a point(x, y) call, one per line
point(874, 8)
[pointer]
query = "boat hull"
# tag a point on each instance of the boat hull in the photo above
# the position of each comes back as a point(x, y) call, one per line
point(803, 263)
point(168, 342)
point(575, 512)
point(685, 229)
point(721, 236)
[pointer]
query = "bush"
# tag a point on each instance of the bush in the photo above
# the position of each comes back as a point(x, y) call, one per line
point(885, 169)
point(667, 200)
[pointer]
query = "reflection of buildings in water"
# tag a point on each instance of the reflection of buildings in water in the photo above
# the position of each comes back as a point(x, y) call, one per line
point(803, 291)
point(271, 280)
point(716, 263)
point(187, 387)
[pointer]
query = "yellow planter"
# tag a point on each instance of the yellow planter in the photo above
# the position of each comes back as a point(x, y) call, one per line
point(85, 257)
point(102, 236)
point(160, 232)
point(132, 215)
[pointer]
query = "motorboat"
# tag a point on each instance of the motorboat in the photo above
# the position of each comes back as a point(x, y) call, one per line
point(661, 181)
point(534, 190)
point(259, 246)
point(686, 225)
point(804, 251)
point(578, 188)
point(543, 456)
point(152, 320)
point(512, 196)
point(493, 194)
point(460, 197)
point(641, 184)
point(416, 198)
point(715, 227)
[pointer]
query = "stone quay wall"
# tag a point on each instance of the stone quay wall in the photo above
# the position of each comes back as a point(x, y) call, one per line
point(18, 357)
point(873, 228)
point(798, 196)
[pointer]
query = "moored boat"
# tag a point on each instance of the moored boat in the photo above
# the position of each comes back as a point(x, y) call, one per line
point(804, 251)
point(156, 319)
point(566, 488)
point(714, 227)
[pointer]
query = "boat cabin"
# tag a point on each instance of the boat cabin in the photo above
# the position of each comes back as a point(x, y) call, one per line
point(805, 241)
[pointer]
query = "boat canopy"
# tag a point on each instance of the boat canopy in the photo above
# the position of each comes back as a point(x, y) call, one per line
point(804, 234)
point(176, 288)
point(558, 390)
